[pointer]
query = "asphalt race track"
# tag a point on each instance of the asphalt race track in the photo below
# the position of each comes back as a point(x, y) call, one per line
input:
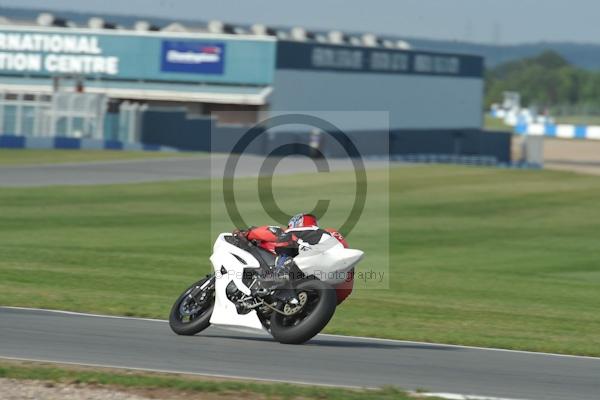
point(151, 170)
point(327, 359)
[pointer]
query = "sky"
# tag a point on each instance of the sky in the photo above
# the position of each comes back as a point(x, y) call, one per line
point(482, 21)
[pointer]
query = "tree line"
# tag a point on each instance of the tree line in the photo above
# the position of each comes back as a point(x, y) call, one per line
point(545, 81)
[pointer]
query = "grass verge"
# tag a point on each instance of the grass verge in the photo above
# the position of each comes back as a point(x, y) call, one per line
point(33, 157)
point(495, 124)
point(478, 256)
point(174, 386)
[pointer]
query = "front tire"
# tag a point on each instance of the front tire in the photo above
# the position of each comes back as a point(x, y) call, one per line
point(314, 316)
point(191, 314)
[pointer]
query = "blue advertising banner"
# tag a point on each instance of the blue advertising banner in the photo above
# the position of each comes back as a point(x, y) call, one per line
point(193, 57)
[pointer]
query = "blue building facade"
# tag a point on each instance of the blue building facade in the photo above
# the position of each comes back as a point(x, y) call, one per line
point(243, 78)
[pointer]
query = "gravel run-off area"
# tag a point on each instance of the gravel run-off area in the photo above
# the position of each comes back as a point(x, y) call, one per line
point(18, 389)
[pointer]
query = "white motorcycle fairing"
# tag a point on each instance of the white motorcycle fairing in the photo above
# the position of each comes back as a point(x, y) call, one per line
point(227, 269)
point(328, 261)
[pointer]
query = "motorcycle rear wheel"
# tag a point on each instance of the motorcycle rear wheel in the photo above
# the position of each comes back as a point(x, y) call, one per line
point(311, 319)
point(190, 316)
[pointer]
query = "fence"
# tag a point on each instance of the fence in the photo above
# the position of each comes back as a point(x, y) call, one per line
point(67, 114)
point(21, 113)
point(129, 128)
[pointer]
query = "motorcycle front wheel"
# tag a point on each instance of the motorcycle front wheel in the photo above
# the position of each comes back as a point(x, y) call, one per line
point(191, 312)
point(319, 300)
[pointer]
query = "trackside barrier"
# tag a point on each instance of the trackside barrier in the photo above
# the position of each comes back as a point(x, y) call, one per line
point(561, 131)
point(463, 160)
point(526, 124)
point(174, 128)
point(22, 142)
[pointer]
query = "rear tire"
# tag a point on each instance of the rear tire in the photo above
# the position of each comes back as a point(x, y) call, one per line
point(289, 331)
point(199, 321)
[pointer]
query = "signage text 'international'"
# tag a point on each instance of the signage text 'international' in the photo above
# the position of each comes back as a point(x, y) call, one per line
point(52, 53)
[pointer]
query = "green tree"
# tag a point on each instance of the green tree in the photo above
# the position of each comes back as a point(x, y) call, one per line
point(546, 80)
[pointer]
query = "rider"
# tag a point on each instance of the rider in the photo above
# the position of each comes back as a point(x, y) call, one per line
point(303, 230)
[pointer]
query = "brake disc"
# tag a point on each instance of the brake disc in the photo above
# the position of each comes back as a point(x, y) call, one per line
point(291, 309)
point(188, 309)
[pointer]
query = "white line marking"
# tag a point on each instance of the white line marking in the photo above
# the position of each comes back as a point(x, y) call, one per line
point(81, 314)
point(455, 396)
point(459, 346)
point(167, 371)
point(449, 396)
point(325, 334)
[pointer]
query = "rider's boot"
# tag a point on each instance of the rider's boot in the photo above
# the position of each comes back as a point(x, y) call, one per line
point(281, 276)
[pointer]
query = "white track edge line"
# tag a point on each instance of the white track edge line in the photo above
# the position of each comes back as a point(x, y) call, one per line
point(461, 346)
point(324, 334)
point(166, 371)
point(82, 314)
point(456, 396)
point(449, 396)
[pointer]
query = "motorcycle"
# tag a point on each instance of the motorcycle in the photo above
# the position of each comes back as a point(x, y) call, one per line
point(246, 290)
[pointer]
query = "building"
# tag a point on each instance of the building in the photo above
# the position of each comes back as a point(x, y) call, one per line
point(96, 79)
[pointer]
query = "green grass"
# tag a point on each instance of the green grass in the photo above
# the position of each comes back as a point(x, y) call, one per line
point(484, 257)
point(183, 386)
point(495, 124)
point(29, 156)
